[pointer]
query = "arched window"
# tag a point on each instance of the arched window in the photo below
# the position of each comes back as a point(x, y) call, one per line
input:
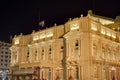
point(36, 54)
point(94, 50)
point(42, 53)
point(77, 52)
point(50, 53)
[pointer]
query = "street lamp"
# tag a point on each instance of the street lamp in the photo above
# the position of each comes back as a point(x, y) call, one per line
point(3, 75)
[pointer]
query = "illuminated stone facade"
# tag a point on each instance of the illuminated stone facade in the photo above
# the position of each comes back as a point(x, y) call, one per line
point(84, 48)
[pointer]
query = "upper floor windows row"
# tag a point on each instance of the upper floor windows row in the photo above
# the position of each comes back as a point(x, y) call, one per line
point(108, 33)
point(42, 35)
point(103, 30)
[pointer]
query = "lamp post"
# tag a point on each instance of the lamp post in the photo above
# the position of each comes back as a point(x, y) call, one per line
point(3, 75)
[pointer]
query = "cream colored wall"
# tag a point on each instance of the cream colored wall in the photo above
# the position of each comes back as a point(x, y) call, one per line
point(84, 61)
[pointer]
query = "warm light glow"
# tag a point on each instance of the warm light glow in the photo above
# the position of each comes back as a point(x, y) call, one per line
point(17, 41)
point(102, 21)
point(74, 26)
point(49, 34)
point(103, 31)
point(93, 26)
point(35, 37)
point(105, 22)
point(113, 68)
point(42, 36)
point(108, 33)
point(113, 35)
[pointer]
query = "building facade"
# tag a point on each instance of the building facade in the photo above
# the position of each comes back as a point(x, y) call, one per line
point(84, 48)
point(5, 57)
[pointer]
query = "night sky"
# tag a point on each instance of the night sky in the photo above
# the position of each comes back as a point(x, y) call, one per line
point(23, 16)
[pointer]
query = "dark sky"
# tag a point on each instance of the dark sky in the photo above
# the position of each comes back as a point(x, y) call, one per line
point(23, 16)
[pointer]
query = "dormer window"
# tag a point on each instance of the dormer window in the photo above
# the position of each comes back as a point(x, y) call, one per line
point(94, 26)
point(103, 31)
point(35, 37)
point(108, 33)
point(113, 35)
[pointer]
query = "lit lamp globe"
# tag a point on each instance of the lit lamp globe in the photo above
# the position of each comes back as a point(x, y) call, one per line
point(3, 75)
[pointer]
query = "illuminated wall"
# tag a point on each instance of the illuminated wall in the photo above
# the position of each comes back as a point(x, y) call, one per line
point(84, 48)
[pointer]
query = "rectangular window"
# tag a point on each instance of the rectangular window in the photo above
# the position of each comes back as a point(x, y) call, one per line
point(42, 36)
point(103, 52)
point(6, 56)
point(1, 60)
point(36, 54)
point(77, 48)
point(17, 41)
point(49, 74)
point(5, 64)
point(42, 53)
point(28, 56)
point(94, 50)
point(113, 35)
point(43, 77)
point(103, 31)
point(49, 34)
point(77, 73)
point(50, 53)
point(94, 26)
point(95, 72)
point(1, 55)
point(35, 37)
point(6, 52)
point(6, 60)
point(108, 33)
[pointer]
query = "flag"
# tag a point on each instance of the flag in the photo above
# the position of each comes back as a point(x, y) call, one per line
point(42, 23)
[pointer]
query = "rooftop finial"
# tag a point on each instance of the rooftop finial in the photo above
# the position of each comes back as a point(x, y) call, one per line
point(117, 19)
point(81, 15)
point(33, 31)
point(69, 19)
point(55, 24)
point(21, 34)
point(90, 12)
point(14, 36)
